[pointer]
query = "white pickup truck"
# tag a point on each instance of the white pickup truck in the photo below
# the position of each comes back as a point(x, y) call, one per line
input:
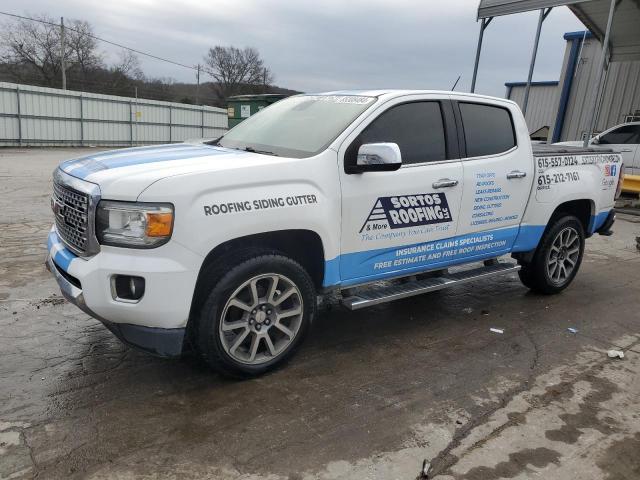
point(226, 245)
point(623, 138)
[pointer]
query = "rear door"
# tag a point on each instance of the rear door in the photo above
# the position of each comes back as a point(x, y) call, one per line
point(625, 139)
point(395, 222)
point(498, 173)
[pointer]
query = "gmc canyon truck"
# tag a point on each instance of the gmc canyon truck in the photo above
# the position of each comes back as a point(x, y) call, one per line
point(225, 246)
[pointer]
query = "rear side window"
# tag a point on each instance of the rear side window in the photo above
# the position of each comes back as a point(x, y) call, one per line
point(626, 134)
point(417, 128)
point(488, 130)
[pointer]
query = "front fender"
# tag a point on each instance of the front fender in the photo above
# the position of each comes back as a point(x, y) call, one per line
point(212, 208)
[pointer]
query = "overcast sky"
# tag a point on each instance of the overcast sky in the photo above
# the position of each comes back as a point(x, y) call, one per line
point(329, 44)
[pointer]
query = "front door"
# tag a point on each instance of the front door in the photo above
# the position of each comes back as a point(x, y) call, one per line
point(395, 223)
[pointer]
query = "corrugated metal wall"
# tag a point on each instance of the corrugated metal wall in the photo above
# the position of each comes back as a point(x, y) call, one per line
point(621, 95)
point(38, 116)
point(542, 107)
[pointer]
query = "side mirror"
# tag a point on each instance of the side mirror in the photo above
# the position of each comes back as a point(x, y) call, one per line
point(378, 157)
point(595, 140)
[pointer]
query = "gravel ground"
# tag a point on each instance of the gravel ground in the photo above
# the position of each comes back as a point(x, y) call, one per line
point(371, 395)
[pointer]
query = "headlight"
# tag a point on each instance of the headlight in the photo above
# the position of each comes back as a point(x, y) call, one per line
point(134, 225)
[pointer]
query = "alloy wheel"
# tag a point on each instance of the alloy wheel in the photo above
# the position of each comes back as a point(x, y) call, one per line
point(261, 318)
point(563, 255)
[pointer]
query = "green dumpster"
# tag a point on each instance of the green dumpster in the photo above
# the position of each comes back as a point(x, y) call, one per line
point(240, 107)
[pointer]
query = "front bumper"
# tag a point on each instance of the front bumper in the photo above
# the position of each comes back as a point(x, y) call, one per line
point(156, 323)
point(164, 342)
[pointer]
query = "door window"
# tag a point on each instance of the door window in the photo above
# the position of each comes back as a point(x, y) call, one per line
point(488, 130)
point(628, 134)
point(417, 128)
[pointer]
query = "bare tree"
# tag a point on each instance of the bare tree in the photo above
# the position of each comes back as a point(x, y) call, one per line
point(233, 68)
point(83, 47)
point(129, 65)
point(33, 45)
point(32, 49)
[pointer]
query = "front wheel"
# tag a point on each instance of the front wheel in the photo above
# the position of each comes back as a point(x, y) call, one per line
point(256, 316)
point(557, 258)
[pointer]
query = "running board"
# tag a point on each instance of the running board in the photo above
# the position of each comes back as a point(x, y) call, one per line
point(370, 297)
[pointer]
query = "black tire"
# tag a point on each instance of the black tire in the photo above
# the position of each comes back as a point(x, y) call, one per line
point(213, 344)
point(540, 275)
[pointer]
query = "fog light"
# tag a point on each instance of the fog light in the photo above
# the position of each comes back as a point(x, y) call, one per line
point(127, 288)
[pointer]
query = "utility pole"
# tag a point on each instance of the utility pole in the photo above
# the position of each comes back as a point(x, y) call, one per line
point(198, 86)
point(264, 81)
point(62, 51)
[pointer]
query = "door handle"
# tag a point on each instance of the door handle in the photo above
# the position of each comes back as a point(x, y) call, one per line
point(444, 183)
point(516, 174)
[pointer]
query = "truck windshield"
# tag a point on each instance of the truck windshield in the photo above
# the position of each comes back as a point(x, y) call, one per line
point(298, 127)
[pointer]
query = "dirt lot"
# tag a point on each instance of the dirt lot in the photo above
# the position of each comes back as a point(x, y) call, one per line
point(370, 395)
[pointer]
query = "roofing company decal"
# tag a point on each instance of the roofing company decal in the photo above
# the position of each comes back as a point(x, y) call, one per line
point(259, 204)
point(407, 211)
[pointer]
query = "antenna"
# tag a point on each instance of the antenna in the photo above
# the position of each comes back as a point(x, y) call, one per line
point(454, 85)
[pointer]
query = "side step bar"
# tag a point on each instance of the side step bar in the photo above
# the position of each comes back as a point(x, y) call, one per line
point(368, 298)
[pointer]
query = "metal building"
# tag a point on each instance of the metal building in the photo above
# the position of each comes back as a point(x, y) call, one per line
point(543, 105)
point(569, 115)
point(39, 116)
point(614, 23)
point(619, 102)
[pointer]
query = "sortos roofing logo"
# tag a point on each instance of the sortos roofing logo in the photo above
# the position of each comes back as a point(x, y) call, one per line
point(407, 211)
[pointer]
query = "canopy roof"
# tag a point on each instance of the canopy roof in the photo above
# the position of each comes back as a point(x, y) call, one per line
point(624, 40)
point(496, 8)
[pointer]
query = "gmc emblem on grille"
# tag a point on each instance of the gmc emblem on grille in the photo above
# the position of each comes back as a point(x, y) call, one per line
point(58, 208)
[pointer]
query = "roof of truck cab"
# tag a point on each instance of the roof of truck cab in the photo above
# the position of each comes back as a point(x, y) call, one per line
point(400, 92)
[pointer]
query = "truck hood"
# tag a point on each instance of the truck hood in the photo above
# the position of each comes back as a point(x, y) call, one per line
point(124, 174)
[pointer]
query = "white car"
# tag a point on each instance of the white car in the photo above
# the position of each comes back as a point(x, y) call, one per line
point(224, 246)
point(624, 138)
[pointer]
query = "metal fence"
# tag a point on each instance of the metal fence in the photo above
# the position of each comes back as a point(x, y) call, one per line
point(38, 116)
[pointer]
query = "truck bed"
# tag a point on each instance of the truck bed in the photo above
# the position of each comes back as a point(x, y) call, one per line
point(545, 150)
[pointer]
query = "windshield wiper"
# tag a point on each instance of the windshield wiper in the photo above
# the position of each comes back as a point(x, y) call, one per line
point(262, 152)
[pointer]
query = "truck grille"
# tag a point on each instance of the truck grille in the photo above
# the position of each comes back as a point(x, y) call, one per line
point(71, 213)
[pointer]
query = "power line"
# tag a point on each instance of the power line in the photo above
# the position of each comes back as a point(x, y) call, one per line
point(140, 52)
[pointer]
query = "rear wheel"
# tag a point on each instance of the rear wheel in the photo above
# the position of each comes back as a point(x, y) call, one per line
point(256, 315)
point(557, 258)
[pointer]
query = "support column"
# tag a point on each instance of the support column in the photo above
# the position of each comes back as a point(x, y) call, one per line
point(603, 59)
point(543, 15)
point(19, 116)
point(81, 121)
point(484, 23)
point(130, 123)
